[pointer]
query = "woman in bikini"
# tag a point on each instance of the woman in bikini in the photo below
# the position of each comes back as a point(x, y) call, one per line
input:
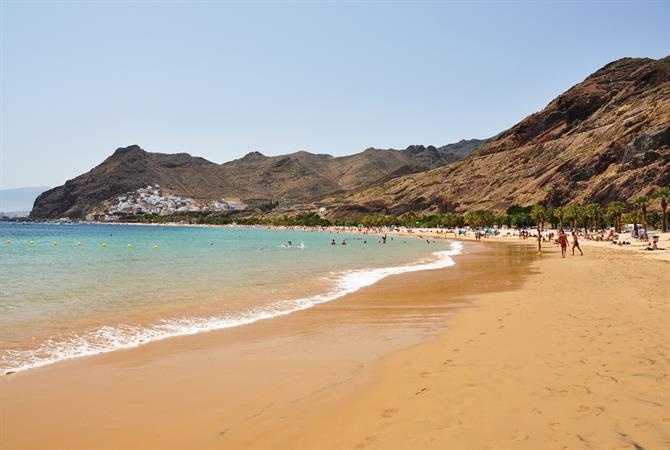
point(563, 241)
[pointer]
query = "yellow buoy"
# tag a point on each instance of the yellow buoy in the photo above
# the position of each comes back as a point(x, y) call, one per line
point(104, 244)
point(31, 242)
point(155, 245)
point(55, 242)
point(130, 245)
point(78, 243)
point(8, 242)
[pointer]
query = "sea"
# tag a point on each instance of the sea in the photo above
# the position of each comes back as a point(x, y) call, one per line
point(72, 290)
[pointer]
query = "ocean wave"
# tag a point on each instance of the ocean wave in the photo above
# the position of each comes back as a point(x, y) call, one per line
point(108, 339)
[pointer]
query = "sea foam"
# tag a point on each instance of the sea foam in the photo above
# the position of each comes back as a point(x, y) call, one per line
point(107, 339)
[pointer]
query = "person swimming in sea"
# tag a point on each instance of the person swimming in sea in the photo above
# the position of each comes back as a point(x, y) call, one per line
point(384, 239)
point(333, 242)
point(344, 242)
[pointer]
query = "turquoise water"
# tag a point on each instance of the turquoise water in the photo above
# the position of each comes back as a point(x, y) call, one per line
point(76, 290)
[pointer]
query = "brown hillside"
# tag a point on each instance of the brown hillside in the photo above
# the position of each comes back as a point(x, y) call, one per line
point(294, 178)
point(607, 138)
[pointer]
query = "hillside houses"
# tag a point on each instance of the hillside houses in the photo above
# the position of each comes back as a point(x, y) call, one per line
point(151, 200)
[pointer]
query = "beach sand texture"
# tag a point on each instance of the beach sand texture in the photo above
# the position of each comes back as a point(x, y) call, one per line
point(536, 353)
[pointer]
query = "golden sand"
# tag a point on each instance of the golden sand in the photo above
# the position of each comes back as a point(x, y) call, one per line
point(503, 350)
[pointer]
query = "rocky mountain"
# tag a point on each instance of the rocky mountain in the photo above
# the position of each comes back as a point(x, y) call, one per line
point(606, 138)
point(295, 178)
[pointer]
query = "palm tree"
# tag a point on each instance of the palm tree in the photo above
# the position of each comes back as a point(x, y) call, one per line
point(616, 209)
point(572, 213)
point(664, 195)
point(538, 214)
point(592, 212)
point(642, 201)
point(559, 213)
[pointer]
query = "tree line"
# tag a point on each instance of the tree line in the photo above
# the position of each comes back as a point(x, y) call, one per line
point(589, 216)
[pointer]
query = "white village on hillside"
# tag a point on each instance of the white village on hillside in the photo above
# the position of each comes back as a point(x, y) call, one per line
point(151, 200)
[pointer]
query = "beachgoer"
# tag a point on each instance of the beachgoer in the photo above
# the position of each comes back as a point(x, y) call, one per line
point(333, 242)
point(575, 244)
point(563, 242)
point(344, 242)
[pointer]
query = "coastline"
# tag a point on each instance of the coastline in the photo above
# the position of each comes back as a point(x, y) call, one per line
point(222, 374)
point(557, 332)
point(575, 358)
point(342, 280)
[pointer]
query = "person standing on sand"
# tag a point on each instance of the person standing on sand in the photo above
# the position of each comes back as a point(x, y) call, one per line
point(575, 244)
point(563, 241)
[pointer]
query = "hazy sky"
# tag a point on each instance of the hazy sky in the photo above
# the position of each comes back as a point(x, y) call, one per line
point(220, 79)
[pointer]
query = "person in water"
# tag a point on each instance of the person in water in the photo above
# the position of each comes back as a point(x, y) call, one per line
point(563, 242)
point(344, 242)
point(290, 244)
point(384, 239)
point(575, 244)
point(333, 242)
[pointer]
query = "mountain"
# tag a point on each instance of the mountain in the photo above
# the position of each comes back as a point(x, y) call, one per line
point(19, 200)
point(607, 138)
point(294, 178)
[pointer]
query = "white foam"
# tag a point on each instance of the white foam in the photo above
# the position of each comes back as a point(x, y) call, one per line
point(107, 339)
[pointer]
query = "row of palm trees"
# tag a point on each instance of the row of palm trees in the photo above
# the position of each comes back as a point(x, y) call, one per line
point(592, 213)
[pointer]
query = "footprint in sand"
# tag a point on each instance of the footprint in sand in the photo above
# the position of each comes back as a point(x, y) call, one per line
point(368, 440)
point(420, 391)
point(521, 436)
point(389, 412)
point(591, 411)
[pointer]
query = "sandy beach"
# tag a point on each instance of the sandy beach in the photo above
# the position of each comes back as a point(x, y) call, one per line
point(504, 350)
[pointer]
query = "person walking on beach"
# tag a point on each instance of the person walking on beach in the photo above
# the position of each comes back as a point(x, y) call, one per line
point(575, 244)
point(563, 241)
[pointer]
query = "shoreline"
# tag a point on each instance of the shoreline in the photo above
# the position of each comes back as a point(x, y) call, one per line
point(382, 318)
point(508, 235)
point(574, 362)
point(526, 336)
point(347, 282)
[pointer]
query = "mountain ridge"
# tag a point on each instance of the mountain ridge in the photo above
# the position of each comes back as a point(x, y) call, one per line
point(292, 178)
point(605, 138)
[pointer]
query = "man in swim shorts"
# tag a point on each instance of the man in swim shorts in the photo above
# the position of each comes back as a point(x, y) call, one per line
point(575, 244)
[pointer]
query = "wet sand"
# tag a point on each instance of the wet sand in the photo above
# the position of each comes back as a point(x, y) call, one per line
point(503, 350)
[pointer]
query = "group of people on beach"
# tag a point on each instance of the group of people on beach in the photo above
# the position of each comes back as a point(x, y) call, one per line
point(562, 241)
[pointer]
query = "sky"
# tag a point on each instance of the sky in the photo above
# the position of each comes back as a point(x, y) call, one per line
point(220, 79)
